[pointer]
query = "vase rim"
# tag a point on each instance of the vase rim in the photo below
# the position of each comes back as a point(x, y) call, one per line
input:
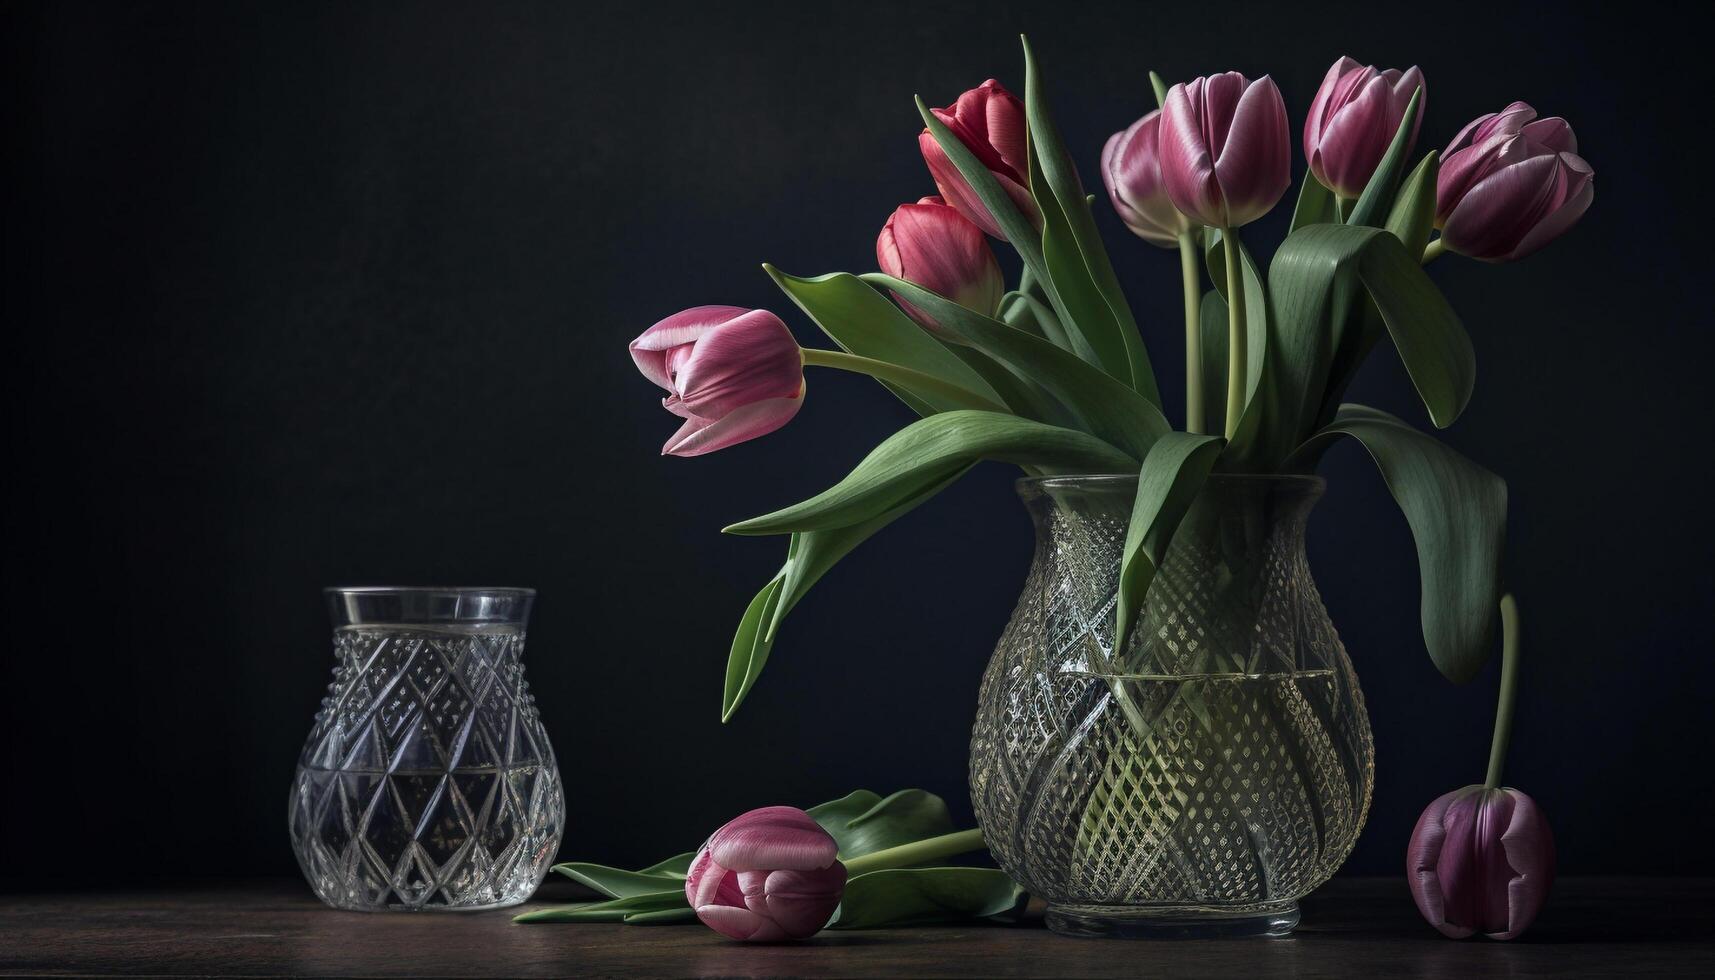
point(1097, 481)
point(428, 605)
point(465, 590)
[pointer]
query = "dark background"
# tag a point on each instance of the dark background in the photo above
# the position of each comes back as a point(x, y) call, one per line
point(311, 294)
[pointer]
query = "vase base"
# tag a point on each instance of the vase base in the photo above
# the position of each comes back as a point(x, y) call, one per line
point(1172, 921)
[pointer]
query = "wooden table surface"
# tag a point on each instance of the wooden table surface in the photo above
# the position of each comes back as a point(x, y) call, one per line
point(1352, 927)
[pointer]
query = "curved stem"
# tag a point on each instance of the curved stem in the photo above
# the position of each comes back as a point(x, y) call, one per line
point(1189, 265)
point(1237, 336)
point(1433, 251)
point(1509, 689)
point(917, 852)
point(1342, 207)
point(900, 375)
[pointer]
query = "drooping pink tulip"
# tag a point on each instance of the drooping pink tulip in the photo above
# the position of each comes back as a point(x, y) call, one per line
point(1510, 183)
point(1226, 154)
point(989, 120)
point(768, 875)
point(1131, 169)
point(936, 247)
point(1352, 120)
point(732, 374)
point(1481, 860)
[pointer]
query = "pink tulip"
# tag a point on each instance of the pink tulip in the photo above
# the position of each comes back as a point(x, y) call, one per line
point(989, 120)
point(1354, 117)
point(1225, 151)
point(732, 374)
point(1481, 860)
point(1131, 169)
point(934, 246)
point(1511, 183)
point(769, 875)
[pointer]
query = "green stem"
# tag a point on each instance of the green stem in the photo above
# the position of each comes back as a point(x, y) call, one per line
point(1189, 265)
point(1433, 251)
point(1237, 335)
point(1509, 689)
point(898, 374)
point(917, 852)
point(1342, 207)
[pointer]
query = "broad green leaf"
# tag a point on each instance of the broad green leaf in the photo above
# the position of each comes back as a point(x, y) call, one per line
point(928, 452)
point(1171, 477)
point(1114, 335)
point(615, 883)
point(864, 322)
point(1457, 514)
point(612, 910)
point(1105, 406)
point(1376, 201)
point(1413, 214)
point(1016, 390)
point(809, 556)
point(1315, 204)
point(863, 822)
point(664, 917)
point(1318, 282)
point(920, 896)
point(678, 864)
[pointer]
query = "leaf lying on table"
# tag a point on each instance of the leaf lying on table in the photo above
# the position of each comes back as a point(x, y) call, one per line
point(921, 896)
point(860, 823)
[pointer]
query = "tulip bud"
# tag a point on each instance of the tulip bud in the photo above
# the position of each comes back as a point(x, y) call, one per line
point(1225, 152)
point(934, 246)
point(1481, 860)
point(989, 120)
point(732, 374)
point(1509, 184)
point(1131, 169)
point(1352, 121)
point(769, 875)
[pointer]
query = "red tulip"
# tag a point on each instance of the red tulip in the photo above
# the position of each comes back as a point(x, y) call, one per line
point(1511, 183)
point(768, 875)
point(989, 120)
point(1131, 169)
point(1354, 117)
point(1481, 860)
point(934, 246)
point(1225, 152)
point(732, 374)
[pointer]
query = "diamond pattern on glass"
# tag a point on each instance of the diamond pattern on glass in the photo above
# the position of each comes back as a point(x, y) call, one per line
point(427, 781)
point(1222, 761)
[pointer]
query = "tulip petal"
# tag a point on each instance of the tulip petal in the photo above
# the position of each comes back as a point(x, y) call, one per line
point(1323, 107)
point(1354, 141)
point(707, 883)
point(772, 838)
point(1187, 164)
point(1422, 862)
point(1254, 168)
point(801, 902)
point(937, 248)
point(1494, 216)
point(958, 193)
point(747, 359)
point(740, 923)
point(1529, 845)
point(1558, 222)
point(699, 436)
point(648, 351)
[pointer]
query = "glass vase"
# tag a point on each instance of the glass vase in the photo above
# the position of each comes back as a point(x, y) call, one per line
point(1200, 781)
point(428, 781)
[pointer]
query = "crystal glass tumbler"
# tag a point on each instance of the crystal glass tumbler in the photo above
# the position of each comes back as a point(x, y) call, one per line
point(1200, 781)
point(428, 781)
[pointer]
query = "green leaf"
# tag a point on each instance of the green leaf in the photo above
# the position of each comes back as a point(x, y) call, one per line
point(1318, 281)
point(809, 556)
point(1107, 320)
point(1377, 199)
point(928, 452)
point(678, 864)
point(1172, 475)
point(612, 910)
point(615, 883)
point(1106, 407)
point(1457, 514)
point(1315, 204)
point(1413, 214)
point(1017, 391)
point(664, 917)
point(862, 822)
point(1041, 320)
point(1258, 318)
point(864, 322)
point(920, 896)
point(1159, 87)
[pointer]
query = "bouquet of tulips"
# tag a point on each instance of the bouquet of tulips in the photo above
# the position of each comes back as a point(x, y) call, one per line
point(1053, 376)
